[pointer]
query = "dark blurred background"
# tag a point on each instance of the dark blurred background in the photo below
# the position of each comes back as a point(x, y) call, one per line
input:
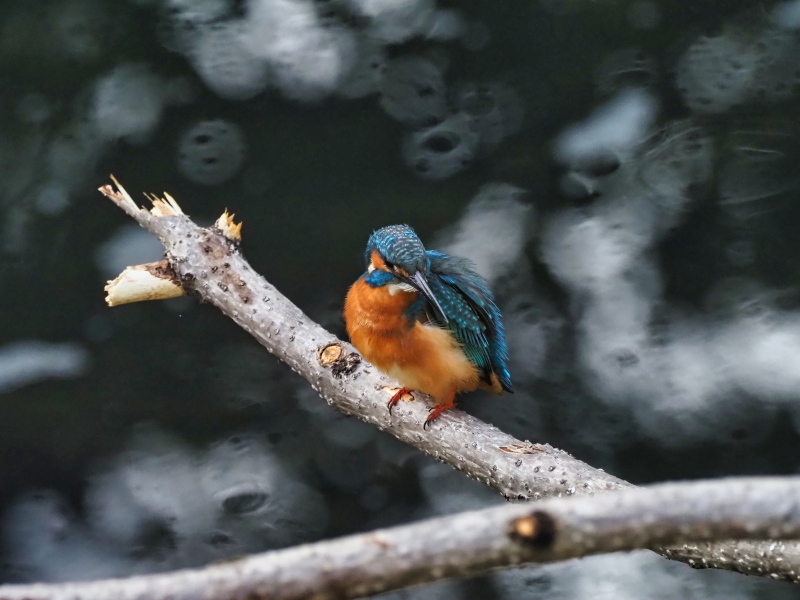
point(622, 172)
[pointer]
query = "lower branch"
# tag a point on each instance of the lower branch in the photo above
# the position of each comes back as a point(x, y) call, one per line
point(471, 543)
point(208, 263)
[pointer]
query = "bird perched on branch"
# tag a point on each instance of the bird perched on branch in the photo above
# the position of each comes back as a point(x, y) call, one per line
point(427, 319)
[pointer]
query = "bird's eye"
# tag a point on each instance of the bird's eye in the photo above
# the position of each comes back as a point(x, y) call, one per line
point(390, 265)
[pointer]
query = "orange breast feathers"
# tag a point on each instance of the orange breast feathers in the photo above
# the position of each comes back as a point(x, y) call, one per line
point(420, 357)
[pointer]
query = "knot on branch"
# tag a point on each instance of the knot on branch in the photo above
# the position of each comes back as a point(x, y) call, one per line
point(335, 356)
point(537, 529)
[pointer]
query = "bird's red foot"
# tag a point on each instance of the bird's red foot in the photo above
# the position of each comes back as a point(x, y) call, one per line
point(396, 398)
point(435, 411)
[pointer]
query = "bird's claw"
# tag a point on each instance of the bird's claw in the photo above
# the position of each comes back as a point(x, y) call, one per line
point(398, 395)
point(435, 411)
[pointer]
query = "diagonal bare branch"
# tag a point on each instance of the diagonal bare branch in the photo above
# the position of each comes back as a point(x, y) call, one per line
point(210, 265)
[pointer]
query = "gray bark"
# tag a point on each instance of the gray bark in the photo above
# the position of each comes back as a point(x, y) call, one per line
point(211, 266)
point(470, 543)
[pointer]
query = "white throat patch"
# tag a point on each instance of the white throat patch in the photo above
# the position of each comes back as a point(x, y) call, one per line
point(399, 287)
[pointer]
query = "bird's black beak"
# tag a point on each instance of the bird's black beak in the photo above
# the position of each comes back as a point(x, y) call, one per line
point(419, 282)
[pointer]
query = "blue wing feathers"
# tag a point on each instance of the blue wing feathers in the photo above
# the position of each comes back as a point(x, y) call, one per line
point(473, 316)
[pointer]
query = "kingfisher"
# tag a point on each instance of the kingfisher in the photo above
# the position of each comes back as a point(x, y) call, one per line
point(426, 319)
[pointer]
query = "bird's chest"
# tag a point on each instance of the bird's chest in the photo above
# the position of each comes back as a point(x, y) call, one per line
point(379, 324)
point(419, 356)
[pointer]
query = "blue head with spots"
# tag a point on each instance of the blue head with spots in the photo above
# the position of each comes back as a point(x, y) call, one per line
point(399, 248)
point(396, 256)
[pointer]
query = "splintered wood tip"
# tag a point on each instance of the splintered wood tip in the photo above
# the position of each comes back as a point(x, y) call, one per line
point(231, 230)
point(120, 196)
point(164, 207)
point(153, 281)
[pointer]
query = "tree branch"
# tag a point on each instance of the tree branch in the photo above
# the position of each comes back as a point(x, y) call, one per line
point(470, 543)
point(207, 262)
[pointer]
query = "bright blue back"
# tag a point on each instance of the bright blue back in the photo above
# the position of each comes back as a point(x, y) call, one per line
point(473, 316)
